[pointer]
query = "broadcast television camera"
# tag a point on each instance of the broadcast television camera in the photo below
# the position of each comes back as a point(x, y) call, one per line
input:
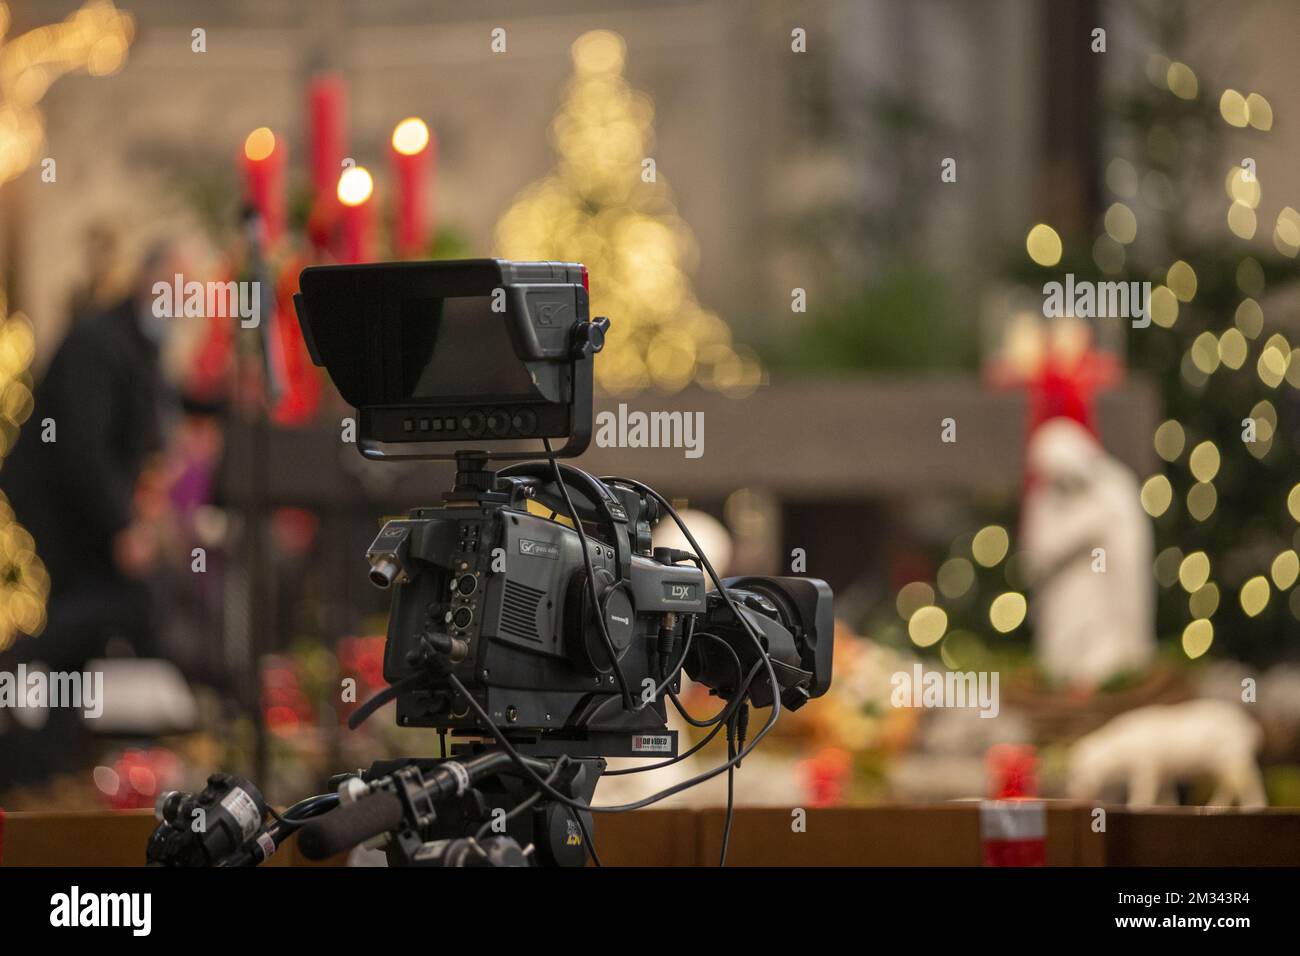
point(530, 609)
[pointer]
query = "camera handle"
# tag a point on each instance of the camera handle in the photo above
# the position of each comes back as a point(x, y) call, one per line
point(454, 812)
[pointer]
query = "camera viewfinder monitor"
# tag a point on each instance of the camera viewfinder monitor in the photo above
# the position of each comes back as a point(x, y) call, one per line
point(480, 353)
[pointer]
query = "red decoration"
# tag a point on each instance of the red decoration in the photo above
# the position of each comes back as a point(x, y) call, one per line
point(358, 231)
point(300, 380)
point(413, 167)
point(1012, 770)
point(1014, 832)
point(327, 104)
point(138, 777)
point(263, 158)
point(826, 775)
point(1062, 385)
point(1013, 825)
point(327, 108)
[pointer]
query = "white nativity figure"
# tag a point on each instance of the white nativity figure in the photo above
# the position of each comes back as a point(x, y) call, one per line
point(1151, 749)
point(1087, 548)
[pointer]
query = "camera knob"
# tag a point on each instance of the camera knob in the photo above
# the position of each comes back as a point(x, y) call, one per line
point(589, 337)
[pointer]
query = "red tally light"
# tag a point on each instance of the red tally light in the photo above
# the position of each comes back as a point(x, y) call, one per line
point(586, 282)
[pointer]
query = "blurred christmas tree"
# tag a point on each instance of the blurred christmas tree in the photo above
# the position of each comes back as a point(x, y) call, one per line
point(1227, 504)
point(24, 583)
point(1185, 211)
point(607, 205)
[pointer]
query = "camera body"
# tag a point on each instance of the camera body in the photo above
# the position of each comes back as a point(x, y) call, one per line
point(493, 587)
point(511, 586)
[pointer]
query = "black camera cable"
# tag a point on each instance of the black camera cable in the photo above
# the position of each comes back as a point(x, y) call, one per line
point(764, 661)
point(597, 611)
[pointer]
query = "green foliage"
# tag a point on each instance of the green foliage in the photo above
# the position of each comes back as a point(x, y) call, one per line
point(903, 321)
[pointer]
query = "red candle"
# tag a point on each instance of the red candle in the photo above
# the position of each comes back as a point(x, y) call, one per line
point(355, 189)
point(327, 106)
point(264, 162)
point(414, 151)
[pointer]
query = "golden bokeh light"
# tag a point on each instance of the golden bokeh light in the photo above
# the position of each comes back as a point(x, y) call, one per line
point(1197, 638)
point(1243, 188)
point(1194, 571)
point(911, 597)
point(355, 186)
point(1254, 595)
point(1241, 220)
point(1166, 566)
point(1181, 280)
point(1043, 245)
point(410, 136)
point(1169, 440)
point(1204, 601)
point(1260, 112)
point(1164, 307)
point(1181, 81)
point(1205, 353)
point(1249, 318)
point(1204, 461)
point(1233, 349)
point(990, 545)
point(24, 582)
point(1285, 569)
point(1157, 493)
point(927, 625)
point(1120, 223)
point(1274, 361)
point(1286, 232)
point(1201, 500)
point(1007, 612)
point(259, 144)
point(955, 577)
point(1233, 109)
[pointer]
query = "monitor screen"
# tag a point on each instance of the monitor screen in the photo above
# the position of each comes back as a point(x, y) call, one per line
point(457, 348)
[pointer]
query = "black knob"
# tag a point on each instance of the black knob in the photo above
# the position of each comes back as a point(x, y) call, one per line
point(589, 337)
point(498, 422)
point(472, 423)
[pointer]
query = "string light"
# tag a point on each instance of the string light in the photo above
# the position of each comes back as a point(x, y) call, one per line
point(1254, 595)
point(990, 545)
point(927, 625)
point(24, 582)
point(1197, 638)
point(94, 38)
point(1043, 245)
point(1007, 612)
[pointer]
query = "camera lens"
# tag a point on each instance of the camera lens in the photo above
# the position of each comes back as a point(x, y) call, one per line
point(383, 571)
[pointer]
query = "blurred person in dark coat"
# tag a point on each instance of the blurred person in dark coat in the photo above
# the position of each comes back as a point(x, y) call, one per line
point(84, 496)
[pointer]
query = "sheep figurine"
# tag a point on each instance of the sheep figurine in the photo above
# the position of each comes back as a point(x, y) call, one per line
point(1152, 748)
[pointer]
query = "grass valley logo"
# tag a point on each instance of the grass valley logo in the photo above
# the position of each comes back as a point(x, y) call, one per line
point(538, 549)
